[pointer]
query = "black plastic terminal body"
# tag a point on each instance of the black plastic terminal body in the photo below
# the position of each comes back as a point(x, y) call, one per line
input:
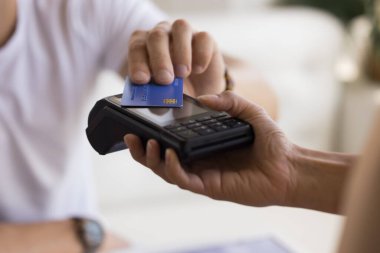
point(192, 138)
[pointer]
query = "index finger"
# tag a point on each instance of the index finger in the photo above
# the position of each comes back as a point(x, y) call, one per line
point(159, 53)
point(138, 68)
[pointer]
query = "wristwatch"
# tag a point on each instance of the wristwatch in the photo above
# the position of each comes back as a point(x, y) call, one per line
point(90, 234)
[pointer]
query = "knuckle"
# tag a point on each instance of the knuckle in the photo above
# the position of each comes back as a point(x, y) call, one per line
point(181, 186)
point(236, 103)
point(138, 33)
point(229, 94)
point(137, 46)
point(201, 57)
point(168, 180)
point(157, 34)
point(137, 157)
point(261, 110)
point(159, 65)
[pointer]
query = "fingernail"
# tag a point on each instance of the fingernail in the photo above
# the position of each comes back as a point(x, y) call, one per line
point(181, 70)
point(149, 145)
point(140, 77)
point(126, 139)
point(164, 77)
point(167, 155)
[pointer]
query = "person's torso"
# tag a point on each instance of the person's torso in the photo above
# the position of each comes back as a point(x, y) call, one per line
point(46, 74)
point(47, 70)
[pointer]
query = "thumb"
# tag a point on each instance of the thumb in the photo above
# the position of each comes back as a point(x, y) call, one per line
point(234, 105)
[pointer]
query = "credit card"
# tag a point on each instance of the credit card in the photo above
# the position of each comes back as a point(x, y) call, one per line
point(153, 95)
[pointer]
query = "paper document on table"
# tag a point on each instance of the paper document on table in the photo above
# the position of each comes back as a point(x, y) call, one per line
point(265, 245)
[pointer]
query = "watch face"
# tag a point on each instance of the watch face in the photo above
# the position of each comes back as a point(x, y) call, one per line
point(93, 233)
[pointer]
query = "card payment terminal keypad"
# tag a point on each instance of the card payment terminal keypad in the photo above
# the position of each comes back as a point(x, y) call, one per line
point(207, 125)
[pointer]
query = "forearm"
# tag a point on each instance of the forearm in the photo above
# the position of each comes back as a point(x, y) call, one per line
point(321, 178)
point(362, 230)
point(39, 238)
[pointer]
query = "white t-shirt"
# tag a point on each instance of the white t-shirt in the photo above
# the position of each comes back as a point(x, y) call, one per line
point(47, 71)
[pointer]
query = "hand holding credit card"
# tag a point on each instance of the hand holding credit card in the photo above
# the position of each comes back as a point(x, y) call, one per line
point(153, 95)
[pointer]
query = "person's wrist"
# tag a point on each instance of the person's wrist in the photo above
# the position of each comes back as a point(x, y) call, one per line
point(307, 176)
point(294, 164)
point(319, 180)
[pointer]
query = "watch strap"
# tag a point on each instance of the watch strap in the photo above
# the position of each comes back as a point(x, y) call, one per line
point(90, 234)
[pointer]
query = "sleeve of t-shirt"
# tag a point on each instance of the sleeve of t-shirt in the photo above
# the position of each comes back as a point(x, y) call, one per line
point(114, 21)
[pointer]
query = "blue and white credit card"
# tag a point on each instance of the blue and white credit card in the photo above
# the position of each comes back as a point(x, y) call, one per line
point(153, 95)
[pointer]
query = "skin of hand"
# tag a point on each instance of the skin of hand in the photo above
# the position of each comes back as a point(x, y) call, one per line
point(271, 171)
point(8, 20)
point(259, 175)
point(176, 50)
